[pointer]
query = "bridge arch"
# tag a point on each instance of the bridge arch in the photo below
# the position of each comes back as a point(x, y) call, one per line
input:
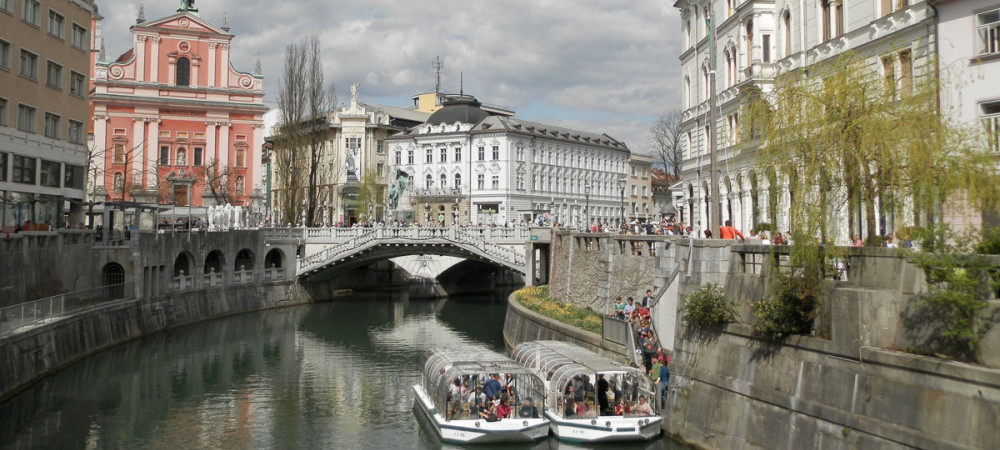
point(275, 259)
point(183, 264)
point(244, 260)
point(215, 262)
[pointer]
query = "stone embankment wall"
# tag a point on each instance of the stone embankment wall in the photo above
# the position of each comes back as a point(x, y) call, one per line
point(29, 355)
point(41, 264)
point(849, 385)
point(524, 325)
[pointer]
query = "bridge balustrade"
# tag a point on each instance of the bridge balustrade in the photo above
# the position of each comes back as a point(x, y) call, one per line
point(182, 282)
point(243, 276)
point(213, 278)
point(273, 274)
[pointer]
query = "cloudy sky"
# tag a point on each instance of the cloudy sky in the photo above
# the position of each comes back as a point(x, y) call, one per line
point(605, 66)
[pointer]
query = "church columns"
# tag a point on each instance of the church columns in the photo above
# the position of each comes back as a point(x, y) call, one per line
point(140, 58)
point(211, 63)
point(254, 177)
point(223, 145)
point(210, 142)
point(154, 66)
point(224, 66)
point(137, 150)
point(152, 141)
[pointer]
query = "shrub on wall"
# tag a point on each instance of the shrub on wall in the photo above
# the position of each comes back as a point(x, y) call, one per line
point(789, 307)
point(707, 308)
point(536, 298)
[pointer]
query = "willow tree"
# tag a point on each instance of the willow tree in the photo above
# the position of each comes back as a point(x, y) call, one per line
point(846, 139)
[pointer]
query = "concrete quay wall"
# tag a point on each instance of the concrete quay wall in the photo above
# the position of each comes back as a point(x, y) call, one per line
point(27, 356)
point(524, 325)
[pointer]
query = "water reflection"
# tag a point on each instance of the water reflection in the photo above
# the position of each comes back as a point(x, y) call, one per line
point(322, 376)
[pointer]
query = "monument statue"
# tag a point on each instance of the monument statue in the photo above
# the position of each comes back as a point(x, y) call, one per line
point(354, 92)
point(398, 188)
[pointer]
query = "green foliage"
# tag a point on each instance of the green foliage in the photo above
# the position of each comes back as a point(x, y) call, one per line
point(960, 283)
point(789, 308)
point(989, 243)
point(707, 308)
point(536, 298)
point(763, 226)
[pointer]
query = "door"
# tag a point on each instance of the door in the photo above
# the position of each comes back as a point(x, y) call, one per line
point(180, 195)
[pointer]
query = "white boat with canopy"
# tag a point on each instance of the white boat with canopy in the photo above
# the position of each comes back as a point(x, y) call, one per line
point(453, 395)
point(589, 397)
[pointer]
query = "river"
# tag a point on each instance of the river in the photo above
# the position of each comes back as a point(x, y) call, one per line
point(328, 375)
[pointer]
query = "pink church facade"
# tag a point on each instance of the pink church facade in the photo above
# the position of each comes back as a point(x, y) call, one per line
point(172, 118)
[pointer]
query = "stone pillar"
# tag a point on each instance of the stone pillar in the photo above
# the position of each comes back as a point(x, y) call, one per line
point(140, 58)
point(211, 63)
point(195, 63)
point(210, 142)
point(100, 144)
point(224, 66)
point(152, 143)
point(764, 200)
point(223, 145)
point(154, 61)
point(254, 165)
point(136, 152)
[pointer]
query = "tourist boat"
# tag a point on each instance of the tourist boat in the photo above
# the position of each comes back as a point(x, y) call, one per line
point(450, 409)
point(568, 369)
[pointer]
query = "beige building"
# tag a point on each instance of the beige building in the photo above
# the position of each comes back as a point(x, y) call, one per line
point(44, 62)
point(639, 195)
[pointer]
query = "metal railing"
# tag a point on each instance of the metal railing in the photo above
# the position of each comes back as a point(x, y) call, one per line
point(25, 315)
point(615, 330)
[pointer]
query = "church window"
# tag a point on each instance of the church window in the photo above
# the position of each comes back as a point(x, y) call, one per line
point(197, 155)
point(183, 72)
point(241, 156)
point(164, 155)
point(119, 154)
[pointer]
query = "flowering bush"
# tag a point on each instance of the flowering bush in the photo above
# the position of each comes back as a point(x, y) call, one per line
point(707, 308)
point(536, 298)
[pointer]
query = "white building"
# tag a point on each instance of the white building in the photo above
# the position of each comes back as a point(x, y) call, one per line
point(756, 41)
point(464, 165)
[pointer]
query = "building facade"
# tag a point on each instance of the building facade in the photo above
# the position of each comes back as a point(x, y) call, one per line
point(755, 41)
point(44, 64)
point(174, 122)
point(465, 165)
point(640, 188)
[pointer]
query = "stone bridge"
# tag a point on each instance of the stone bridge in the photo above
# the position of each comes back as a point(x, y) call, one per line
point(324, 248)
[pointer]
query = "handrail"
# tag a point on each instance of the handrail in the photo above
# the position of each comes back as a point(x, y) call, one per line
point(23, 315)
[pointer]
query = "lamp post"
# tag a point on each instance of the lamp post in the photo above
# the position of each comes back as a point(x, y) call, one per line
point(586, 209)
point(621, 185)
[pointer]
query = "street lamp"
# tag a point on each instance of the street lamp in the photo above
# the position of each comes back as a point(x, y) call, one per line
point(621, 185)
point(586, 209)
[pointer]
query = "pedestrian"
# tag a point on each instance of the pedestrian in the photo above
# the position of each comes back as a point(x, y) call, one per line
point(728, 232)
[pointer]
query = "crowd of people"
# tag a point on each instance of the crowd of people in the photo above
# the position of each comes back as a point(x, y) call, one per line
point(654, 359)
point(491, 397)
point(616, 395)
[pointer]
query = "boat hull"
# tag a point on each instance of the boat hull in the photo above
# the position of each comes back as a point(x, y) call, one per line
point(621, 429)
point(479, 431)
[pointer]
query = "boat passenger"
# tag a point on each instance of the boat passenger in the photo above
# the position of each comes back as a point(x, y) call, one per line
point(488, 412)
point(527, 410)
point(478, 396)
point(643, 408)
point(503, 411)
point(620, 407)
point(492, 386)
point(455, 389)
point(570, 409)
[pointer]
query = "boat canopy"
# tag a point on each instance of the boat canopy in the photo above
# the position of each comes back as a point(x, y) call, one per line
point(456, 379)
point(575, 374)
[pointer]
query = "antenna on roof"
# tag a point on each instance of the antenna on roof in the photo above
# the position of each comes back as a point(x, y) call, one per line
point(461, 84)
point(437, 65)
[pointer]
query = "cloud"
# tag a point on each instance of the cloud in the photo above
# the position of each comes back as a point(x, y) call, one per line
point(609, 66)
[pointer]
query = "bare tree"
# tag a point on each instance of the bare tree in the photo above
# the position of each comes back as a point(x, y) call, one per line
point(304, 100)
point(665, 139)
point(221, 183)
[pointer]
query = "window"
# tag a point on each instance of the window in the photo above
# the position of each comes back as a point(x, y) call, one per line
point(183, 72)
point(119, 153)
point(409, 156)
point(429, 182)
point(3, 166)
point(429, 155)
point(51, 126)
point(481, 181)
point(838, 10)
point(520, 181)
point(458, 180)
point(29, 11)
point(889, 77)
point(633, 171)
point(352, 143)
point(77, 84)
point(164, 155)
point(73, 176)
point(496, 181)
point(26, 118)
point(29, 64)
point(444, 154)
point(49, 174)
point(23, 170)
point(988, 32)
point(482, 153)
point(53, 75)
point(3, 112)
point(444, 181)
point(198, 152)
point(380, 169)
point(765, 46)
point(458, 154)
point(905, 73)
point(75, 132)
point(399, 158)
point(496, 152)
point(644, 191)
point(380, 147)
point(241, 157)
point(991, 123)
point(633, 190)
point(4, 55)
point(748, 43)
point(826, 18)
point(56, 23)
point(80, 38)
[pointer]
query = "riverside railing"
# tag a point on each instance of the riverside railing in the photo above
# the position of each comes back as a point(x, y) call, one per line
point(615, 330)
point(27, 314)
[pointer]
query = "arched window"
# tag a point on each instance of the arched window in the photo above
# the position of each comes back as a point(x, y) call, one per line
point(430, 181)
point(183, 72)
point(244, 260)
point(458, 180)
point(214, 262)
point(786, 21)
point(114, 281)
point(273, 259)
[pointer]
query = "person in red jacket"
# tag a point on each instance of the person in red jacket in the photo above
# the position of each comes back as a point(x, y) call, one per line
point(728, 232)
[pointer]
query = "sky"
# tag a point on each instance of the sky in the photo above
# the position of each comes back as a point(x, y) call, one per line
point(603, 66)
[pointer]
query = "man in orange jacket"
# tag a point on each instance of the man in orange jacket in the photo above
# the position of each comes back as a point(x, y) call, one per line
point(728, 232)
